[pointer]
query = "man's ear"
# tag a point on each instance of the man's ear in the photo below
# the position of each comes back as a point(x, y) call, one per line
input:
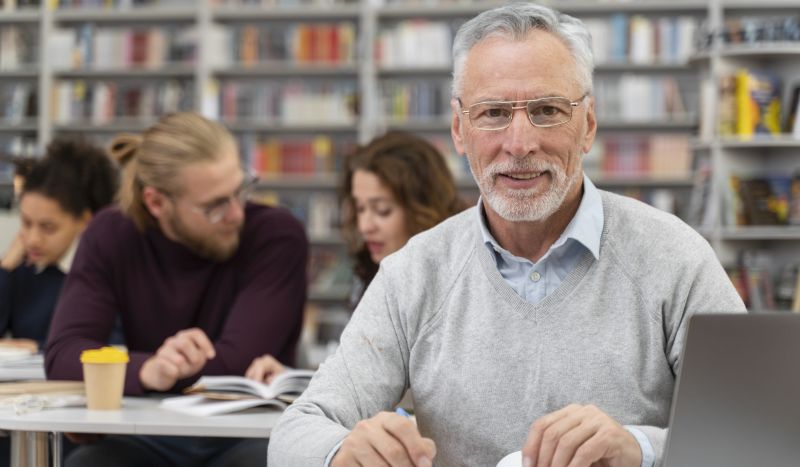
point(455, 126)
point(155, 201)
point(591, 125)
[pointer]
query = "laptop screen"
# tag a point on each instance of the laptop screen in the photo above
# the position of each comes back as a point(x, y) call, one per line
point(737, 401)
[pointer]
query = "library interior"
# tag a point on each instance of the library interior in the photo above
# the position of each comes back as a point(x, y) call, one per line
point(697, 106)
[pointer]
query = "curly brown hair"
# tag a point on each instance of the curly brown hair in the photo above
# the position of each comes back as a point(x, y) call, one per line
point(416, 174)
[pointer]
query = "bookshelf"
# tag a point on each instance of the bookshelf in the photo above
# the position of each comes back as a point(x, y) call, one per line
point(757, 244)
point(264, 69)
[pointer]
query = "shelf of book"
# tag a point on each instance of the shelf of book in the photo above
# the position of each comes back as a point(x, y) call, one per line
point(17, 126)
point(572, 7)
point(761, 233)
point(612, 124)
point(26, 72)
point(749, 189)
point(759, 142)
point(116, 126)
point(284, 69)
point(324, 182)
point(244, 13)
point(769, 51)
point(141, 15)
point(418, 124)
point(643, 181)
point(608, 67)
point(22, 16)
point(762, 6)
point(132, 72)
point(410, 71)
point(266, 125)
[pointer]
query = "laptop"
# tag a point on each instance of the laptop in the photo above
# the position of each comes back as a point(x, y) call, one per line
point(737, 399)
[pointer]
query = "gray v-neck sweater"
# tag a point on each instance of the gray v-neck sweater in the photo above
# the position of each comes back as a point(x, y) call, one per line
point(482, 364)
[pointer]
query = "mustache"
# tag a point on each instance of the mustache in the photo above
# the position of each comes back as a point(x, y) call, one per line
point(519, 165)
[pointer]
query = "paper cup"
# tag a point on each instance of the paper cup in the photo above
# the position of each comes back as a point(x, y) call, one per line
point(104, 377)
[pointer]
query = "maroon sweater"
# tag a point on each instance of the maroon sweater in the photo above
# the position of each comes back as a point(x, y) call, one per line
point(249, 305)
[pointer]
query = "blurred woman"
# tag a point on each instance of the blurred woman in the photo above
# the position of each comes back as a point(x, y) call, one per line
point(60, 193)
point(395, 187)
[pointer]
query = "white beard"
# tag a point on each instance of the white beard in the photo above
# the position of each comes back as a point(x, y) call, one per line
point(525, 205)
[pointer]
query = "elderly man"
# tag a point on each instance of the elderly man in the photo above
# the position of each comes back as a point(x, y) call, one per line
point(548, 319)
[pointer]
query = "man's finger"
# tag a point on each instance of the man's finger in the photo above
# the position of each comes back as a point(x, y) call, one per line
point(570, 442)
point(201, 341)
point(406, 432)
point(551, 437)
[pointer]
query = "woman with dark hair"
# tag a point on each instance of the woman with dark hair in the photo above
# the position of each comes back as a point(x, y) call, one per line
point(394, 188)
point(60, 194)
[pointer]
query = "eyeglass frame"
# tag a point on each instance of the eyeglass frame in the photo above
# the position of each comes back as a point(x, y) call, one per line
point(526, 102)
point(241, 195)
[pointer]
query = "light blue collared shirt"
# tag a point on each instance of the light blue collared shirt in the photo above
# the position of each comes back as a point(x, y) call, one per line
point(534, 282)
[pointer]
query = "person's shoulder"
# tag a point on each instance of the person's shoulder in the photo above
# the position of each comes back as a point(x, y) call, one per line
point(640, 227)
point(112, 224)
point(448, 242)
point(269, 224)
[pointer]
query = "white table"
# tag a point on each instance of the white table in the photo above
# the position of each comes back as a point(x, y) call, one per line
point(139, 416)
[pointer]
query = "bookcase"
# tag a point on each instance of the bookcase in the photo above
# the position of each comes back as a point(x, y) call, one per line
point(747, 186)
point(301, 82)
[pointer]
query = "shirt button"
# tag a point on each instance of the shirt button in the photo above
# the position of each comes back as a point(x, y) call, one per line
point(535, 276)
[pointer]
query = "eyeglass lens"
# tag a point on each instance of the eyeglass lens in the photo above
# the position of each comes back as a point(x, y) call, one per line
point(217, 212)
point(541, 112)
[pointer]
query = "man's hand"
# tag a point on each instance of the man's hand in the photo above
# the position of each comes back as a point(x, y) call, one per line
point(387, 439)
point(580, 436)
point(264, 368)
point(14, 255)
point(180, 356)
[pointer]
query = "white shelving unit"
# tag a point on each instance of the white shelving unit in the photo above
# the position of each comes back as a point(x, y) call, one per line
point(760, 155)
point(206, 74)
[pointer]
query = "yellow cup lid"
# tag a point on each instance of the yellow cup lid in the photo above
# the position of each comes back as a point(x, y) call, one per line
point(104, 355)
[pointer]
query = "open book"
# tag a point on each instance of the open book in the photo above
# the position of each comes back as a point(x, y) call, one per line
point(212, 395)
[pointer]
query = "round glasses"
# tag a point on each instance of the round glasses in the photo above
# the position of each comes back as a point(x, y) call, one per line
point(544, 112)
point(217, 209)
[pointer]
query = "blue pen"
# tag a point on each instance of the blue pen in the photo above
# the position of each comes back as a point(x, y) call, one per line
point(402, 411)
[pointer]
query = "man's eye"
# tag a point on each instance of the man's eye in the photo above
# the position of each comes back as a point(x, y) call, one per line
point(549, 110)
point(495, 112)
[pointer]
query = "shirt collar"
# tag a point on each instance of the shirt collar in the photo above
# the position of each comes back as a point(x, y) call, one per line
point(65, 263)
point(586, 227)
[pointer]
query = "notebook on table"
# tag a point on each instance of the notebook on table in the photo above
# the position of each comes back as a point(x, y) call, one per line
point(737, 399)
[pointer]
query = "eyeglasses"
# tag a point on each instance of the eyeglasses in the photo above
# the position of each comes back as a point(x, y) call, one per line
point(544, 112)
point(218, 209)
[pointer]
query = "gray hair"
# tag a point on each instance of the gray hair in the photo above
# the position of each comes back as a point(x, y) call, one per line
point(516, 21)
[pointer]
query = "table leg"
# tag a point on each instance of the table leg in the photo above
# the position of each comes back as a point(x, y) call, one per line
point(37, 446)
point(18, 448)
point(55, 448)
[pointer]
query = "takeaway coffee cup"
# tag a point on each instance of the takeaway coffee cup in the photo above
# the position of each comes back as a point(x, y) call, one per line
point(104, 377)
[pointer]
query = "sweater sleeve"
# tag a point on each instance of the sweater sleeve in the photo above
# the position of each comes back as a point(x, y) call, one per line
point(704, 288)
point(366, 375)
point(86, 310)
point(267, 312)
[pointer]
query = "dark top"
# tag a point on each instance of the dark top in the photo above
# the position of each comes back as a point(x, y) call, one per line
point(27, 301)
point(248, 305)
